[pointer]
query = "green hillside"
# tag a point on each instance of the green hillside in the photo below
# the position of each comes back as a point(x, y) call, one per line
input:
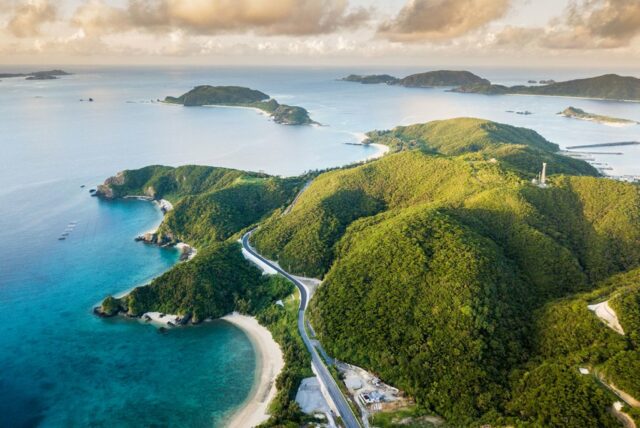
point(439, 269)
point(210, 204)
point(446, 272)
point(521, 149)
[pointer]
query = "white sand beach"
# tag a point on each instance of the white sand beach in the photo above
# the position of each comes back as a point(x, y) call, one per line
point(382, 150)
point(271, 362)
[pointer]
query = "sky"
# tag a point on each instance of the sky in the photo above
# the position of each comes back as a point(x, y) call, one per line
point(526, 33)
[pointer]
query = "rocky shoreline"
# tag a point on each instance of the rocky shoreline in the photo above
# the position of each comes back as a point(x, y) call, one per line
point(112, 306)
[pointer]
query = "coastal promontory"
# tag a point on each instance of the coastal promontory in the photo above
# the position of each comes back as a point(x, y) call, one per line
point(238, 96)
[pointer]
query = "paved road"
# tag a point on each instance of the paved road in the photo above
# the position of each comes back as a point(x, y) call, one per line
point(346, 414)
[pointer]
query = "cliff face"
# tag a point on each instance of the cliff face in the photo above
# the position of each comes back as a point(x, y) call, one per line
point(105, 190)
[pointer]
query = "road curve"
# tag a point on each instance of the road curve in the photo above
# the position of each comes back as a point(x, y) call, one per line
point(346, 414)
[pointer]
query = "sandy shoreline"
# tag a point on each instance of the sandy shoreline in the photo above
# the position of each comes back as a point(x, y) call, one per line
point(270, 363)
point(382, 150)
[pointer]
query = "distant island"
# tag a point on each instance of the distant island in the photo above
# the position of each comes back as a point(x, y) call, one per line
point(37, 75)
point(606, 87)
point(238, 96)
point(371, 79)
point(430, 79)
point(576, 113)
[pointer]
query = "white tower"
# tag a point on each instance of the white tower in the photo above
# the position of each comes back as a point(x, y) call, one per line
point(543, 175)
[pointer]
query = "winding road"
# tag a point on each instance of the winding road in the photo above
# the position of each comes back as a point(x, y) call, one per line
point(344, 410)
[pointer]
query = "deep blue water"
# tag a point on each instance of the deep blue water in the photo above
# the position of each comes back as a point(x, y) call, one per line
point(63, 367)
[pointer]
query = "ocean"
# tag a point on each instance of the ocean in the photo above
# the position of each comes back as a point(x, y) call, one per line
point(64, 367)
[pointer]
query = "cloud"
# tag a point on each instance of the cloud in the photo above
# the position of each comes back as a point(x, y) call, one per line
point(207, 17)
point(435, 20)
point(28, 16)
point(590, 24)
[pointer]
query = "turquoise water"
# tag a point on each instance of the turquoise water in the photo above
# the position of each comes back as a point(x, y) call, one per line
point(63, 367)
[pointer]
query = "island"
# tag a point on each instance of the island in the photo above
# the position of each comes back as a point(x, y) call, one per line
point(450, 268)
point(606, 87)
point(371, 79)
point(430, 79)
point(237, 96)
point(37, 75)
point(576, 113)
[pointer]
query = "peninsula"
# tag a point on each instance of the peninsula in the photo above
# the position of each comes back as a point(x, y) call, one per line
point(237, 96)
point(37, 75)
point(480, 278)
point(576, 113)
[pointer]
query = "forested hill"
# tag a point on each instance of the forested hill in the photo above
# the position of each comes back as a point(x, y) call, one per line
point(206, 95)
point(438, 269)
point(608, 87)
point(520, 149)
point(446, 271)
point(210, 204)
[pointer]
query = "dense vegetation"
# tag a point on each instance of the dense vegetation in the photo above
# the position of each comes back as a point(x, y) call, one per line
point(608, 86)
point(521, 149)
point(446, 272)
point(449, 275)
point(211, 206)
point(242, 97)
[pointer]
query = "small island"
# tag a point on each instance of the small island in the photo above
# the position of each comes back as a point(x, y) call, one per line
point(576, 113)
point(371, 79)
point(36, 75)
point(238, 96)
point(430, 79)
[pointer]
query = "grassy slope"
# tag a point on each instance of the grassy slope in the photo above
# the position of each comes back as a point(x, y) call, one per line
point(520, 149)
